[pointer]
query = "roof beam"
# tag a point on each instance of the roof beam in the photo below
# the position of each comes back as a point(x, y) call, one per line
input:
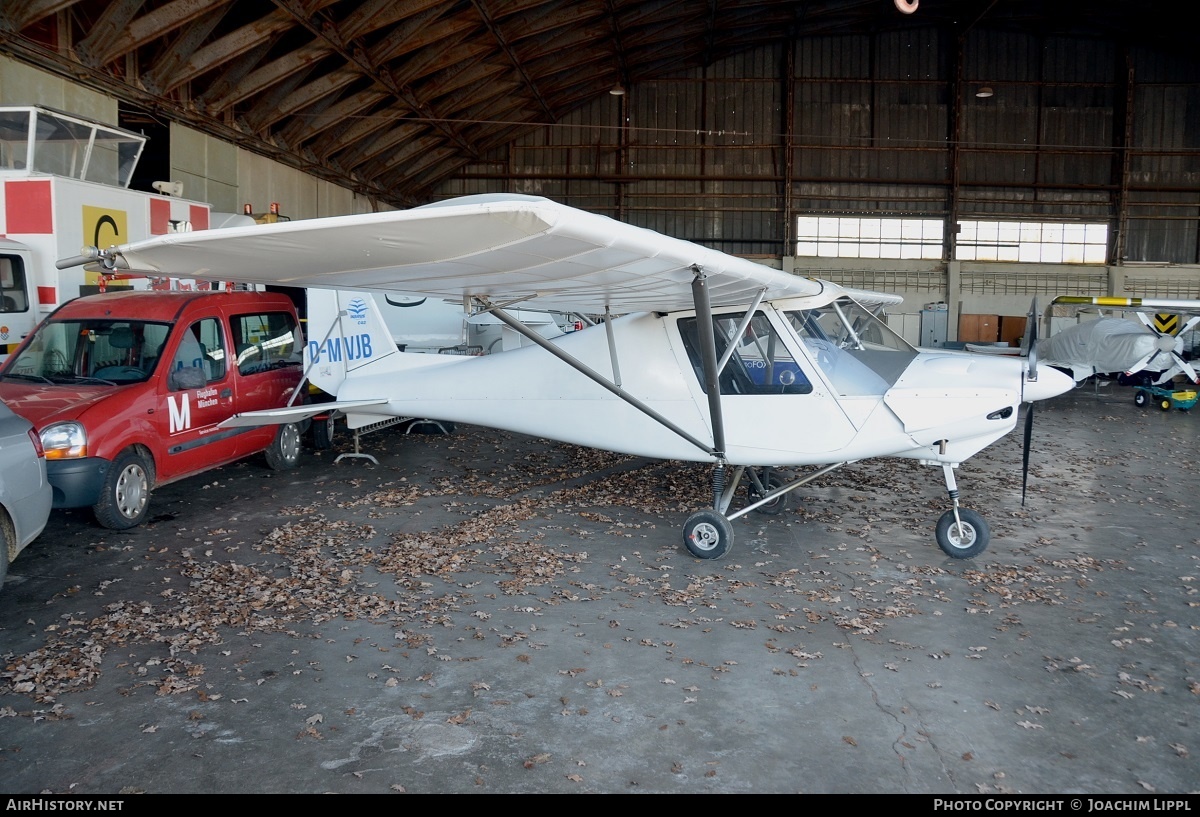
point(160, 77)
point(493, 27)
point(328, 32)
point(119, 31)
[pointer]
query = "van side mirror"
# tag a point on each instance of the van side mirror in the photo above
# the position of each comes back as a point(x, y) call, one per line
point(188, 377)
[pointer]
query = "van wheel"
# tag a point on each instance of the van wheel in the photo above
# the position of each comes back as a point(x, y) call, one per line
point(284, 451)
point(125, 497)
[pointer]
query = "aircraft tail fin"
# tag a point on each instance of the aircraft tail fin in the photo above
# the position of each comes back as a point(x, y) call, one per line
point(345, 333)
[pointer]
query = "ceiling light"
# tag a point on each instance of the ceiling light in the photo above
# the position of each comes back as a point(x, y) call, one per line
point(984, 92)
point(617, 90)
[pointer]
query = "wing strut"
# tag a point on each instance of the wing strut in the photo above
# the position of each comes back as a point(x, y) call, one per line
point(712, 379)
point(579, 366)
point(708, 349)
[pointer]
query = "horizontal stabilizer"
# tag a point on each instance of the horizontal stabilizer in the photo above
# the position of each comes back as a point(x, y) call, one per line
point(992, 349)
point(295, 414)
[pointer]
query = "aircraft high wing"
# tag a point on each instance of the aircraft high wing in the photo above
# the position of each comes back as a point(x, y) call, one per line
point(696, 355)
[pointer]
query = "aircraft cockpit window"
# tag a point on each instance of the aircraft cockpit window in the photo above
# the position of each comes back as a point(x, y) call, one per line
point(759, 362)
point(857, 351)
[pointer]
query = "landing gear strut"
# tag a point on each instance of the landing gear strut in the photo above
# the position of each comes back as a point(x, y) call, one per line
point(961, 532)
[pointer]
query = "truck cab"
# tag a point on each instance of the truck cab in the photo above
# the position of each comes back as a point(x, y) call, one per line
point(127, 391)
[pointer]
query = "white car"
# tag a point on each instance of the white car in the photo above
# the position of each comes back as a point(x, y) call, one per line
point(25, 493)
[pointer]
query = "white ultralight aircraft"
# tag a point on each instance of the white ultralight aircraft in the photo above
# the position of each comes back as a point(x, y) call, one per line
point(713, 358)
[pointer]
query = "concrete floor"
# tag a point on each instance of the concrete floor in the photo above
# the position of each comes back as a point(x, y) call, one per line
point(484, 612)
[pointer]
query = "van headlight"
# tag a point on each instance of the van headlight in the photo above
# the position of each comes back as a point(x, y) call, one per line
point(64, 441)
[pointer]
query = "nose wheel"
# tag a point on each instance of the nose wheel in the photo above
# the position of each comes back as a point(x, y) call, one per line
point(961, 533)
point(964, 536)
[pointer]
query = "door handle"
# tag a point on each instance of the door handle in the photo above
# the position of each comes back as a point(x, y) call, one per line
point(227, 392)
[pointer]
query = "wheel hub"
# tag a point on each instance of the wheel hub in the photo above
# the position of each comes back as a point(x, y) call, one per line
point(131, 492)
point(705, 536)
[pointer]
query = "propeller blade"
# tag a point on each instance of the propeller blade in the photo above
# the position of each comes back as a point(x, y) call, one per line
point(1145, 319)
point(1141, 364)
point(1186, 367)
point(1029, 347)
point(1025, 453)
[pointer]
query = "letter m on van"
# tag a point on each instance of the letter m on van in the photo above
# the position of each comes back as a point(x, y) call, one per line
point(181, 413)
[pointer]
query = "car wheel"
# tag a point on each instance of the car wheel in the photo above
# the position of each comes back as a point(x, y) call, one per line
point(125, 497)
point(284, 451)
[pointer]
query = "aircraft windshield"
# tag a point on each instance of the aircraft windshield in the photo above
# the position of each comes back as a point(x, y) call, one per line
point(857, 351)
point(112, 352)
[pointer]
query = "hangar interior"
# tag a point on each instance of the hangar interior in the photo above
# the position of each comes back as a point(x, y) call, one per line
point(972, 154)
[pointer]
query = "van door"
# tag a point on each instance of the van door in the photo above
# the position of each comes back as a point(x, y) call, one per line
point(196, 392)
point(267, 365)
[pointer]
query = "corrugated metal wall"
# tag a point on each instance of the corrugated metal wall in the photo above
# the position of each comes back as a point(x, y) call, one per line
point(886, 124)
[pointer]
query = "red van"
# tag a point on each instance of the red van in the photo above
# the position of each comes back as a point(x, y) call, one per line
point(126, 391)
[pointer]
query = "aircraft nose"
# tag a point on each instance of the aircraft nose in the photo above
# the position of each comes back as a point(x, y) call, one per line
point(1050, 383)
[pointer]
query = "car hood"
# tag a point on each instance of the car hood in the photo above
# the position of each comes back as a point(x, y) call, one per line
point(43, 403)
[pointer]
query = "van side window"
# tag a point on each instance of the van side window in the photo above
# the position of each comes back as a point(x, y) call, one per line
point(201, 347)
point(13, 294)
point(265, 341)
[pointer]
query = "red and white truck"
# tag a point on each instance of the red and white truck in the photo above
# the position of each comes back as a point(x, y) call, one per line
point(64, 184)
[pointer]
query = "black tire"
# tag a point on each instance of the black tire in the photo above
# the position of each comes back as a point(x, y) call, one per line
point(707, 535)
point(323, 432)
point(1165, 404)
point(284, 451)
point(125, 497)
point(5, 544)
point(777, 505)
point(1141, 399)
point(970, 541)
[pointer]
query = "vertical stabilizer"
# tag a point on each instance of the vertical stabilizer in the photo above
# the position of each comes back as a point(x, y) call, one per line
point(345, 333)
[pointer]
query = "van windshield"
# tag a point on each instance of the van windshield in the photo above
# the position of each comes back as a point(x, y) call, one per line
point(113, 352)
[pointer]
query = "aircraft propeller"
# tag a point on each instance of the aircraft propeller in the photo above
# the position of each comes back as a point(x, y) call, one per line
point(1166, 344)
point(1029, 352)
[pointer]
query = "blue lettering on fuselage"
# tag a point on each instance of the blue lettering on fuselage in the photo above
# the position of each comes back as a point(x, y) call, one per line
point(334, 350)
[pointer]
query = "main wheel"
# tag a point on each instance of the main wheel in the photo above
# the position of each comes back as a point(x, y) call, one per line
point(1141, 399)
point(707, 535)
point(323, 430)
point(284, 451)
point(775, 506)
point(962, 542)
point(125, 497)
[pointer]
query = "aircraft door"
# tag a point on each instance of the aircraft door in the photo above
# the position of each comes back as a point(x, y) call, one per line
point(196, 392)
point(769, 400)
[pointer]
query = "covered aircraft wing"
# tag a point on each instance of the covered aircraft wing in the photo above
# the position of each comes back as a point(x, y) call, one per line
point(504, 247)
